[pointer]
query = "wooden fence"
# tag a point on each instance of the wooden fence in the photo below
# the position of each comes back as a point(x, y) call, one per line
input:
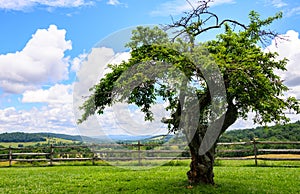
point(256, 152)
point(140, 152)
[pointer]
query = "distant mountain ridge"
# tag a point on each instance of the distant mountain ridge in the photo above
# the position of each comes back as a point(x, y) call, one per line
point(21, 137)
point(35, 137)
point(288, 132)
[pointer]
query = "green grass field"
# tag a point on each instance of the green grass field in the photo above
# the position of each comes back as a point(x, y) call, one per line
point(230, 177)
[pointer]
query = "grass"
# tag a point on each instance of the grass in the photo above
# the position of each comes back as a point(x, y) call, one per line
point(261, 163)
point(230, 177)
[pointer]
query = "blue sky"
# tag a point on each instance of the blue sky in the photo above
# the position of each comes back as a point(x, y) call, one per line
point(43, 44)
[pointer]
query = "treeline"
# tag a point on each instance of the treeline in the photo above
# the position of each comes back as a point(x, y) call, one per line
point(21, 137)
point(35, 137)
point(287, 132)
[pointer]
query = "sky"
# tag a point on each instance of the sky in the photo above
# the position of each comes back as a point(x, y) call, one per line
point(49, 46)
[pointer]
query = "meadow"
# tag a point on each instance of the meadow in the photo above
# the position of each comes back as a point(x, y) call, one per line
point(230, 177)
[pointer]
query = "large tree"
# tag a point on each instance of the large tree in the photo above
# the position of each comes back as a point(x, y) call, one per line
point(207, 85)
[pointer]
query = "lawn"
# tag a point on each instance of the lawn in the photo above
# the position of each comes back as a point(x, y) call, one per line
point(230, 177)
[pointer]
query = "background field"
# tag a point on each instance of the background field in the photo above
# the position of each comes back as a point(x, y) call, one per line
point(230, 177)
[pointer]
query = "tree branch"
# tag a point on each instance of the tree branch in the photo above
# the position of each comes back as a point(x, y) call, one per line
point(194, 22)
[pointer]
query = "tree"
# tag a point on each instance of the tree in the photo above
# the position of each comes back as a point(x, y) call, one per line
point(208, 86)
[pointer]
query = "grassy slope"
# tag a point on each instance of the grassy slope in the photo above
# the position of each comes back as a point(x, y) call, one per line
point(166, 179)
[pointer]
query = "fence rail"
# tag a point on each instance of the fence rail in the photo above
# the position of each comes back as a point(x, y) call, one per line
point(138, 152)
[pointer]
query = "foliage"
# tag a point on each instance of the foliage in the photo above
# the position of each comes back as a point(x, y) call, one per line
point(287, 132)
point(219, 81)
point(248, 74)
point(21, 137)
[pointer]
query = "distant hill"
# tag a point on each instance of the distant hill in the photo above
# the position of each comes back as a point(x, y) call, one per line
point(287, 132)
point(61, 136)
point(37, 137)
point(143, 139)
point(21, 137)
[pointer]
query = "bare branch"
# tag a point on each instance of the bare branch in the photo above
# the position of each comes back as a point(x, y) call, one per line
point(195, 22)
point(190, 4)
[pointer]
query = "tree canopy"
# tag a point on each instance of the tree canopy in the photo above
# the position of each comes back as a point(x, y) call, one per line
point(207, 85)
point(248, 74)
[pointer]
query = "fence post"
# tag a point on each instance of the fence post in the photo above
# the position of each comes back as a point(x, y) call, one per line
point(51, 154)
point(93, 159)
point(139, 151)
point(255, 151)
point(10, 156)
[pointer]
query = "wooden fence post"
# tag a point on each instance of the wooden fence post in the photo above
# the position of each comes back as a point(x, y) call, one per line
point(139, 152)
point(255, 151)
point(10, 156)
point(93, 159)
point(51, 154)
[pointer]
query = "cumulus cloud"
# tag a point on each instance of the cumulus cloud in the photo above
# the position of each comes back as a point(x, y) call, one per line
point(88, 71)
point(176, 7)
point(291, 50)
point(19, 5)
point(77, 62)
point(129, 119)
point(120, 118)
point(41, 61)
point(92, 68)
point(56, 115)
point(52, 118)
point(57, 94)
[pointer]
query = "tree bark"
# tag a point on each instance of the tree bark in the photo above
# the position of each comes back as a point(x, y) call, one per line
point(201, 166)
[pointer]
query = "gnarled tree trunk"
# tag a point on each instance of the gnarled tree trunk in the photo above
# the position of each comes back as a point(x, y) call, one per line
point(201, 166)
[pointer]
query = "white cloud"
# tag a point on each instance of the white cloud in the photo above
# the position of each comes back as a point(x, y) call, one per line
point(129, 119)
point(77, 62)
point(91, 70)
point(291, 50)
point(278, 3)
point(292, 12)
point(41, 61)
point(120, 118)
point(113, 2)
point(55, 118)
point(57, 94)
point(176, 7)
point(244, 124)
point(26, 4)
point(119, 57)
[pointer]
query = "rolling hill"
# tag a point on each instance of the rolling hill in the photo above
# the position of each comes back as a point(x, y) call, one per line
point(288, 132)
